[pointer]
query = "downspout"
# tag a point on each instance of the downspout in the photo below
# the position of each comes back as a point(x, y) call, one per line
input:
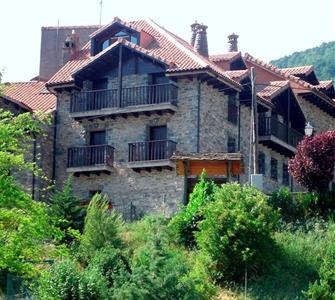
point(34, 161)
point(54, 143)
point(198, 117)
point(239, 133)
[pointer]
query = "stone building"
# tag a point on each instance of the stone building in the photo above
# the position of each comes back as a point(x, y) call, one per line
point(141, 112)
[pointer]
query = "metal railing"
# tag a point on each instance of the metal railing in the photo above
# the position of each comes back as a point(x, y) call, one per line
point(151, 150)
point(130, 96)
point(90, 156)
point(270, 126)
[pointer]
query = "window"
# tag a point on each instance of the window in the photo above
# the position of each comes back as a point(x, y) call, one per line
point(232, 109)
point(286, 177)
point(97, 138)
point(261, 163)
point(231, 145)
point(274, 169)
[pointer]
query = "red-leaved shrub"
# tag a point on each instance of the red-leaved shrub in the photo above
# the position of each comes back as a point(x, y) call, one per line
point(314, 163)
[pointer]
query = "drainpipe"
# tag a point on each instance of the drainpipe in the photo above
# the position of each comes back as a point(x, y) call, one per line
point(198, 117)
point(54, 143)
point(34, 161)
point(239, 132)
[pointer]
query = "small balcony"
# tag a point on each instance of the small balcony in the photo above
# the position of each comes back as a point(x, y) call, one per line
point(278, 136)
point(132, 101)
point(150, 155)
point(87, 160)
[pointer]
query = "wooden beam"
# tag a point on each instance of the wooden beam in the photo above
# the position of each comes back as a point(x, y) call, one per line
point(119, 91)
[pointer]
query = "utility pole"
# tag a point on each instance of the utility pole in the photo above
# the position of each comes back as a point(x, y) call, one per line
point(254, 122)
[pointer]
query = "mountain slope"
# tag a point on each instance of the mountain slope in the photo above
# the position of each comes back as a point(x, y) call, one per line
point(322, 57)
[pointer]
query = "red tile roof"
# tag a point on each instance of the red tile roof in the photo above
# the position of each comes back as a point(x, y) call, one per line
point(238, 74)
point(326, 84)
point(303, 70)
point(167, 46)
point(277, 71)
point(272, 89)
point(229, 56)
point(32, 94)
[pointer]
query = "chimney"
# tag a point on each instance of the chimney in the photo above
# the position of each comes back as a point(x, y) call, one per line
point(194, 28)
point(232, 42)
point(200, 43)
point(70, 47)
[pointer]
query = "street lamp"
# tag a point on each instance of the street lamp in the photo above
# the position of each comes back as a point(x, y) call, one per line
point(309, 129)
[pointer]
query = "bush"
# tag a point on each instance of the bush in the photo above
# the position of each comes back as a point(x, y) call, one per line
point(102, 228)
point(184, 223)
point(291, 207)
point(237, 231)
point(324, 288)
point(66, 211)
point(314, 163)
point(61, 281)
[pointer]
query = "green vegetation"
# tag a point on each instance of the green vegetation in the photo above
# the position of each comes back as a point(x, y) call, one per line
point(66, 211)
point(26, 231)
point(322, 57)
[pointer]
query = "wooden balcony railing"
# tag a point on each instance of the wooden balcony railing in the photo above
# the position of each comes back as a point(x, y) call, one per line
point(130, 96)
point(151, 150)
point(270, 126)
point(85, 156)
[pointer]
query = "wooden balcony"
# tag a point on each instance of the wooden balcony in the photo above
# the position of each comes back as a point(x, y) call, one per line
point(150, 155)
point(132, 101)
point(89, 160)
point(278, 136)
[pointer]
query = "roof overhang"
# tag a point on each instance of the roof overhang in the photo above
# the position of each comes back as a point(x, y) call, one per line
point(215, 164)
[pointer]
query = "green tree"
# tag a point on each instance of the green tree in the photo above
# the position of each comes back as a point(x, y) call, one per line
point(66, 211)
point(25, 230)
point(102, 228)
point(185, 223)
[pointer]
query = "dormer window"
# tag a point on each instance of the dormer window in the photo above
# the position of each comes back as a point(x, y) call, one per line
point(110, 35)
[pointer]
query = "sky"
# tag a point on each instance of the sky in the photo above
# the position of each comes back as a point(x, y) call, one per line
point(267, 29)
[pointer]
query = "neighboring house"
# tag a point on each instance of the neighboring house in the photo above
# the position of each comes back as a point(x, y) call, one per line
point(32, 96)
point(141, 112)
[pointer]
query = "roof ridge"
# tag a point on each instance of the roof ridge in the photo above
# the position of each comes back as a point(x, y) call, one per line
point(276, 70)
point(178, 44)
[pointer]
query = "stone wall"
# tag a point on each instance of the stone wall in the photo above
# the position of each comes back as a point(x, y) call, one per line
point(214, 125)
point(319, 119)
point(148, 191)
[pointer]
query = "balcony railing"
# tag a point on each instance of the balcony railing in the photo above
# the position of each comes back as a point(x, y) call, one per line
point(130, 96)
point(268, 126)
point(86, 156)
point(151, 150)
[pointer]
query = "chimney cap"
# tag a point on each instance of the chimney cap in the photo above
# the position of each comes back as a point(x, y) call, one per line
point(232, 42)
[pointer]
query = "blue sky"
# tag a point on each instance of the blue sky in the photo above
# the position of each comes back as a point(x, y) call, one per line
point(268, 29)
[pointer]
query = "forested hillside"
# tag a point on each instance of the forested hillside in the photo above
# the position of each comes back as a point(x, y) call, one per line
point(322, 57)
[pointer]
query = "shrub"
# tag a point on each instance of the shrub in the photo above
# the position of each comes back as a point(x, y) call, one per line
point(102, 228)
point(324, 288)
point(314, 163)
point(185, 222)
point(111, 264)
point(237, 231)
point(66, 211)
point(61, 281)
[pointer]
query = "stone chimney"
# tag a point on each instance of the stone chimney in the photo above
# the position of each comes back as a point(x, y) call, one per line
point(232, 42)
point(194, 28)
point(70, 47)
point(200, 43)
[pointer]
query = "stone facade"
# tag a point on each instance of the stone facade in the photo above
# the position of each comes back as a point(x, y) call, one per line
point(148, 191)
